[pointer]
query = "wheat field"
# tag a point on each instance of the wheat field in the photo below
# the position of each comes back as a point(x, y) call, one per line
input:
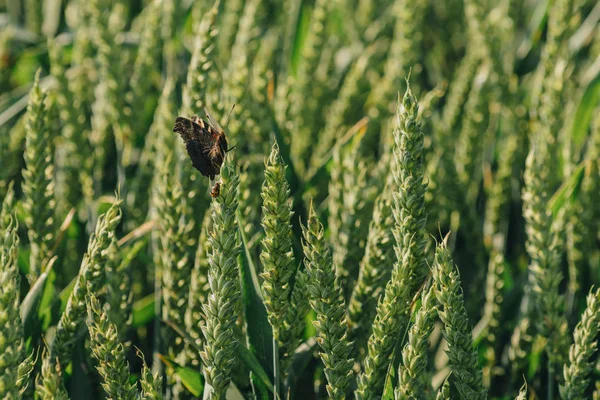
point(410, 207)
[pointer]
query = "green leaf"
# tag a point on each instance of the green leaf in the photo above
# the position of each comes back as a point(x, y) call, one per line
point(568, 190)
point(388, 390)
point(31, 301)
point(302, 357)
point(254, 366)
point(130, 253)
point(48, 298)
point(584, 113)
point(302, 26)
point(192, 379)
point(259, 331)
point(143, 311)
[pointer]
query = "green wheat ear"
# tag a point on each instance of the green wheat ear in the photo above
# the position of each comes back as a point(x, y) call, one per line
point(410, 266)
point(49, 384)
point(466, 373)
point(223, 278)
point(108, 351)
point(411, 374)
point(276, 256)
point(38, 182)
point(577, 371)
point(151, 384)
point(91, 276)
point(11, 328)
point(325, 299)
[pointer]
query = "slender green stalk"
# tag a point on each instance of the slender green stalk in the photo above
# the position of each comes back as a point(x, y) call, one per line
point(223, 278)
point(410, 266)
point(522, 392)
point(38, 182)
point(324, 297)
point(466, 373)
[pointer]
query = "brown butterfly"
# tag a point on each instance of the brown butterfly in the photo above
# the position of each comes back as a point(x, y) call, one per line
point(205, 143)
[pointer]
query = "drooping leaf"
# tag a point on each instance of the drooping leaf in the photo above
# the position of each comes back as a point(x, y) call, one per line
point(568, 190)
point(143, 311)
point(30, 303)
point(584, 113)
point(192, 379)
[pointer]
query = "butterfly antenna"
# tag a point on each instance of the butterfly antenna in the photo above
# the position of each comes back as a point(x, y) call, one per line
point(229, 116)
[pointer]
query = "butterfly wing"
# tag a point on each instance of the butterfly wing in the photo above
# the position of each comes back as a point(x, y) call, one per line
point(198, 138)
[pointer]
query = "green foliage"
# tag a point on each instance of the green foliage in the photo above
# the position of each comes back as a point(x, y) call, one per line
point(171, 293)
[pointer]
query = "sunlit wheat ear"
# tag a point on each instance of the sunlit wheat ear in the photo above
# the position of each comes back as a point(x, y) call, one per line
point(49, 384)
point(545, 273)
point(11, 329)
point(410, 266)
point(151, 384)
point(276, 257)
point(577, 370)
point(466, 373)
point(38, 180)
point(411, 382)
point(91, 276)
point(330, 307)
point(223, 277)
point(108, 351)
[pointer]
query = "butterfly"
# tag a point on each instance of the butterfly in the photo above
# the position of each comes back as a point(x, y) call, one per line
point(205, 142)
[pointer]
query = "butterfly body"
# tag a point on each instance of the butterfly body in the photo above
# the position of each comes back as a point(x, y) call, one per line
point(216, 190)
point(205, 144)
